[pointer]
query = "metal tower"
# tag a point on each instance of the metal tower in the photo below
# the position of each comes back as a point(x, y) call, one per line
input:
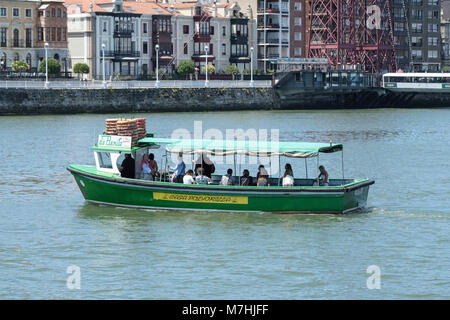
point(352, 33)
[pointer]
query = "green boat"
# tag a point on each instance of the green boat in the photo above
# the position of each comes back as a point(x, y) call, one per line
point(102, 183)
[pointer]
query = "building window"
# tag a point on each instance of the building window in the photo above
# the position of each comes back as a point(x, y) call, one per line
point(40, 34)
point(28, 60)
point(298, 36)
point(224, 49)
point(47, 13)
point(53, 12)
point(3, 36)
point(416, 27)
point(433, 14)
point(105, 26)
point(28, 37)
point(58, 36)
point(416, 54)
point(28, 13)
point(15, 38)
point(185, 29)
point(297, 52)
point(433, 27)
point(224, 31)
point(64, 34)
point(59, 13)
point(145, 27)
point(416, 41)
point(53, 35)
point(416, 14)
point(399, 26)
point(212, 30)
point(298, 6)
point(211, 49)
point(145, 47)
point(3, 12)
point(185, 48)
point(432, 54)
point(47, 34)
point(433, 2)
point(432, 41)
point(298, 21)
point(16, 12)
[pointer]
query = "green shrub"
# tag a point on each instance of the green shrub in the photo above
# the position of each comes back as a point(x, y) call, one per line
point(19, 66)
point(53, 66)
point(232, 70)
point(186, 67)
point(211, 68)
point(79, 68)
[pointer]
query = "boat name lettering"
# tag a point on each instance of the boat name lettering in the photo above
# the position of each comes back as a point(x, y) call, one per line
point(200, 198)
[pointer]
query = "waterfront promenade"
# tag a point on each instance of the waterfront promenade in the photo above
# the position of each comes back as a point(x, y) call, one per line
point(98, 84)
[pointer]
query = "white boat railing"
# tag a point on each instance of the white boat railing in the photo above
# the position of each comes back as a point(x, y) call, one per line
point(11, 84)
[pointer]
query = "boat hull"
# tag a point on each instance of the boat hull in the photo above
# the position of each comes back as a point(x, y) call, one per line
point(98, 188)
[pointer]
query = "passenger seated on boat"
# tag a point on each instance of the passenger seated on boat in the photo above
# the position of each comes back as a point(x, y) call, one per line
point(188, 178)
point(145, 167)
point(201, 178)
point(127, 168)
point(227, 179)
point(322, 179)
point(204, 162)
point(288, 177)
point(246, 180)
point(179, 169)
point(262, 177)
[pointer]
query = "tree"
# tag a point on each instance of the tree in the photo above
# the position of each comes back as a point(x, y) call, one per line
point(232, 70)
point(211, 69)
point(186, 67)
point(19, 66)
point(53, 66)
point(79, 68)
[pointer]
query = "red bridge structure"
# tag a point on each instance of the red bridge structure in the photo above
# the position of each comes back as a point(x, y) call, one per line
point(353, 34)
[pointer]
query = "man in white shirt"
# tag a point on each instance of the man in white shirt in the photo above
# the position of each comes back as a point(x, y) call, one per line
point(188, 178)
point(227, 180)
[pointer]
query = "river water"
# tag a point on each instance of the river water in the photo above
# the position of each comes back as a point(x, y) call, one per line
point(46, 226)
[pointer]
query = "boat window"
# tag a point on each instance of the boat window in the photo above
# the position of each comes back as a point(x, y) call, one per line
point(104, 160)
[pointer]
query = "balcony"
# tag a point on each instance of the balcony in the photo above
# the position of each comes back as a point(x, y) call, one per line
point(269, 26)
point(238, 38)
point(122, 33)
point(268, 11)
point(122, 54)
point(16, 43)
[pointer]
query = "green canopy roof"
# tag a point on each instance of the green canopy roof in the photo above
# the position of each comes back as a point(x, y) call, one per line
point(251, 148)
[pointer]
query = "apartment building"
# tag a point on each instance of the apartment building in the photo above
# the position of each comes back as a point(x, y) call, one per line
point(281, 29)
point(445, 35)
point(52, 29)
point(222, 28)
point(417, 34)
point(128, 30)
point(18, 32)
point(25, 27)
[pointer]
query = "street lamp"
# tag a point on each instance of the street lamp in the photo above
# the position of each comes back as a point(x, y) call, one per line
point(252, 83)
point(103, 52)
point(157, 65)
point(206, 66)
point(46, 65)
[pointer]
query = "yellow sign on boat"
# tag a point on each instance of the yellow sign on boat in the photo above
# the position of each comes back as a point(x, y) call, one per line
point(199, 198)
